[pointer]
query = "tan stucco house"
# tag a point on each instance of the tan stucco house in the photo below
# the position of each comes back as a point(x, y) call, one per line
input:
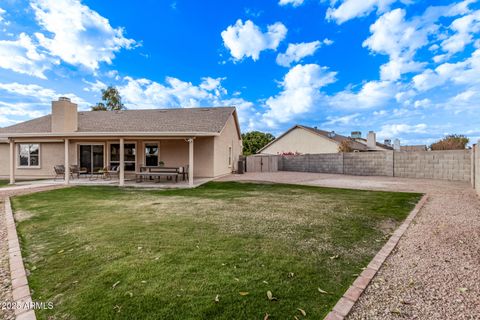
point(307, 140)
point(207, 141)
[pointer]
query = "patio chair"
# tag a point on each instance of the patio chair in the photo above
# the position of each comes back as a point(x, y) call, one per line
point(60, 171)
point(185, 172)
point(75, 170)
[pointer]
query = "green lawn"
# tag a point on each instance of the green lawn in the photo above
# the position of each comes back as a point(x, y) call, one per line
point(4, 183)
point(110, 253)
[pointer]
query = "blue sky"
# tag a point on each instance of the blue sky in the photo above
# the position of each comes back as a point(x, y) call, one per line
point(408, 69)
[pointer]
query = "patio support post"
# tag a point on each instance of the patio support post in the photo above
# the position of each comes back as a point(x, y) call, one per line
point(190, 162)
point(121, 176)
point(12, 161)
point(67, 163)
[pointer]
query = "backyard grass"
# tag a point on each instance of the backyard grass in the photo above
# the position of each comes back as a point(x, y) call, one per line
point(4, 183)
point(207, 253)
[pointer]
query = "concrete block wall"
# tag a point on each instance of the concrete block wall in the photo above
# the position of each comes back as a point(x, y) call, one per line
point(368, 163)
point(444, 165)
point(323, 163)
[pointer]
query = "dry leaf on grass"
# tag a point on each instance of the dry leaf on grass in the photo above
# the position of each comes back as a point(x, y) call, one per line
point(267, 316)
point(270, 296)
point(243, 293)
point(302, 312)
point(217, 298)
point(115, 284)
point(322, 291)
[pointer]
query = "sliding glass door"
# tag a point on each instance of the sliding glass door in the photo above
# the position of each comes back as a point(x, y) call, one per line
point(91, 157)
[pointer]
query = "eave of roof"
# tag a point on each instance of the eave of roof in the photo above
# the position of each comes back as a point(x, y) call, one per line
point(109, 134)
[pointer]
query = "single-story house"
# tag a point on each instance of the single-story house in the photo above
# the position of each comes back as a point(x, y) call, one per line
point(206, 141)
point(307, 140)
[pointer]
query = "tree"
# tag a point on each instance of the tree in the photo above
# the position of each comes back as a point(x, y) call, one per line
point(111, 100)
point(345, 146)
point(451, 142)
point(254, 141)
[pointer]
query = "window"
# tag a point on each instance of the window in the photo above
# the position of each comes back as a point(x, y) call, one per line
point(130, 156)
point(151, 154)
point(29, 155)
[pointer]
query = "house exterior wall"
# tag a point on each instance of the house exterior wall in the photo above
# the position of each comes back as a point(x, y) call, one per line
point(50, 154)
point(228, 138)
point(301, 141)
point(174, 153)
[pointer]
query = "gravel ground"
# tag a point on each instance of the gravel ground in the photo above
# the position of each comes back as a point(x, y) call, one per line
point(5, 281)
point(434, 273)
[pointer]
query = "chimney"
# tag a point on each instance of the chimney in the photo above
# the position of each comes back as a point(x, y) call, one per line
point(64, 115)
point(371, 140)
point(356, 134)
point(396, 145)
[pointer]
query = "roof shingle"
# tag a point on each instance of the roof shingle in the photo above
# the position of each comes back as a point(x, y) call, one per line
point(181, 120)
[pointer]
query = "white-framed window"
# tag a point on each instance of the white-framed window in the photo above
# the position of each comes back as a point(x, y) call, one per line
point(151, 154)
point(29, 155)
point(230, 156)
point(130, 157)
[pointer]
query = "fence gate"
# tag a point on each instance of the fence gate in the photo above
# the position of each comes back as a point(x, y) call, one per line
point(259, 163)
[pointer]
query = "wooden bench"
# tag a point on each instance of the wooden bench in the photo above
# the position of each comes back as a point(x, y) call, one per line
point(141, 175)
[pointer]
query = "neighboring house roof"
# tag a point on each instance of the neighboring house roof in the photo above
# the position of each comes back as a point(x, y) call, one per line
point(337, 138)
point(381, 145)
point(180, 120)
point(414, 148)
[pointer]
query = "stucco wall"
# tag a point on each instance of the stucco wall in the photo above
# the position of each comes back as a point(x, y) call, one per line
point(50, 155)
point(301, 141)
point(447, 165)
point(172, 152)
point(228, 138)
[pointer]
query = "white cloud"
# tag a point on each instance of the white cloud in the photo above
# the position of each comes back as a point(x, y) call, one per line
point(23, 56)
point(372, 94)
point(349, 9)
point(80, 36)
point(297, 51)
point(461, 73)
point(95, 87)
point(342, 120)
point(294, 3)
point(392, 35)
point(20, 102)
point(38, 93)
point(394, 130)
point(30, 90)
point(463, 28)
point(2, 12)
point(247, 40)
point(300, 93)
point(145, 93)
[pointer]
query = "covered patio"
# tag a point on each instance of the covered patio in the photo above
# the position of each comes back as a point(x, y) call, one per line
point(152, 161)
